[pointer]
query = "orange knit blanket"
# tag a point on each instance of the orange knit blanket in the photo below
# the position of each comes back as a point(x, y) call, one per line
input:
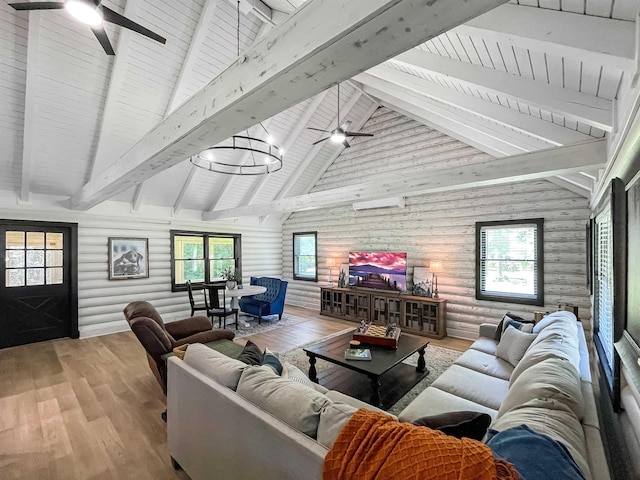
point(372, 445)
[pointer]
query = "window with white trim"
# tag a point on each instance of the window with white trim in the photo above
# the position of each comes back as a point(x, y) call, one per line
point(509, 261)
point(603, 286)
point(305, 256)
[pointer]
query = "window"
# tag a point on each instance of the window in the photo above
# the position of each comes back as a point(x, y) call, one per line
point(603, 293)
point(201, 257)
point(33, 258)
point(509, 261)
point(305, 256)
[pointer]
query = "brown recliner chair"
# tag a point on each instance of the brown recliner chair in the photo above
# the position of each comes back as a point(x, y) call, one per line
point(159, 339)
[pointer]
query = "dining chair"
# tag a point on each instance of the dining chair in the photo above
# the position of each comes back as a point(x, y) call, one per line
point(217, 308)
point(195, 306)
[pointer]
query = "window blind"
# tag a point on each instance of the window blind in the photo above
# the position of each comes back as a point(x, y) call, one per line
point(604, 284)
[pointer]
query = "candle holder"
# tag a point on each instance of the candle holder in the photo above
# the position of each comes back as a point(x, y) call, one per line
point(435, 266)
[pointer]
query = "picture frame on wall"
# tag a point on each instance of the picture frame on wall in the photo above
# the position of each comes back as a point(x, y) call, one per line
point(422, 282)
point(128, 258)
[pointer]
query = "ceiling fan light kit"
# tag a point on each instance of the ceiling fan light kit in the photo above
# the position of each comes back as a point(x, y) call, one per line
point(341, 132)
point(84, 12)
point(92, 13)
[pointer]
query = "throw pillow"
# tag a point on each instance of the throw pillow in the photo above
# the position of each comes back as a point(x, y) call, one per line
point(294, 373)
point(271, 360)
point(509, 316)
point(251, 354)
point(513, 345)
point(458, 424)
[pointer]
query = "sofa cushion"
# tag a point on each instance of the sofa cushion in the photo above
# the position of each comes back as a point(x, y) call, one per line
point(485, 363)
point(251, 354)
point(513, 345)
point(332, 418)
point(474, 386)
point(214, 365)
point(486, 345)
point(433, 401)
point(461, 424)
point(292, 402)
point(336, 396)
point(549, 418)
point(553, 378)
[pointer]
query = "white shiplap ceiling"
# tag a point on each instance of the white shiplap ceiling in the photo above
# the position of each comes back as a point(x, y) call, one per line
point(526, 76)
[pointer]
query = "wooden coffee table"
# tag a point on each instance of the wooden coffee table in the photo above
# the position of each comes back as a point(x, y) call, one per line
point(389, 378)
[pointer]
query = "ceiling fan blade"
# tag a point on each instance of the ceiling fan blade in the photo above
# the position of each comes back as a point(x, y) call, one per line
point(113, 17)
point(318, 130)
point(345, 143)
point(101, 35)
point(358, 134)
point(37, 5)
point(322, 140)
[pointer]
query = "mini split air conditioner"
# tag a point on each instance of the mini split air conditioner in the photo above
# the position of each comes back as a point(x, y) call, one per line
point(379, 203)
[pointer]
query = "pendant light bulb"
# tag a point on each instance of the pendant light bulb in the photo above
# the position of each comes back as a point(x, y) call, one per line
point(85, 12)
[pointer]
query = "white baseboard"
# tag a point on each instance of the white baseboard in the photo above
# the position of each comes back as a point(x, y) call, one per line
point(98, 329)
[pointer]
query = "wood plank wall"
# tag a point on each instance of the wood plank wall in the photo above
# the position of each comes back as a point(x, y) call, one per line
point(441, 226)
point(101, 301)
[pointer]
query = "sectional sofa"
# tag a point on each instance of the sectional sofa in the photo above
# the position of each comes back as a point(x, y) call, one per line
point(228, 420)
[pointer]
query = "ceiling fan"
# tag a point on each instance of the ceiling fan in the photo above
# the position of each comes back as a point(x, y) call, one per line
point(92, 13)
point(340, 134)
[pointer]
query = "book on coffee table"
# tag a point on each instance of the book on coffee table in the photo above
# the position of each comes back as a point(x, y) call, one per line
point(357, 354)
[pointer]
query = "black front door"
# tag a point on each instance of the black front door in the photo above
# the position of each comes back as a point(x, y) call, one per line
point(38, 284)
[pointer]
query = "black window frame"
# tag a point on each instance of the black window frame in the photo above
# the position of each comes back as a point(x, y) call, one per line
point(237, 252)
point(511, 298)
point(315, 238)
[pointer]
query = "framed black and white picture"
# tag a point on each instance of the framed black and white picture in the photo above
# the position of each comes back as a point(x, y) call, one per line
point(128, 258)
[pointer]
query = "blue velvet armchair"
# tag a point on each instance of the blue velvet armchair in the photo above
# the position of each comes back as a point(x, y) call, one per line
point(270, 302)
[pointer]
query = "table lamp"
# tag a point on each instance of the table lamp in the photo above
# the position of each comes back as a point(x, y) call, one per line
point(331, 262)
point(435, 266)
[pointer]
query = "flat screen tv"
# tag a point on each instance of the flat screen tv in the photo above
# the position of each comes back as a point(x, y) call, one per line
point(379, 270)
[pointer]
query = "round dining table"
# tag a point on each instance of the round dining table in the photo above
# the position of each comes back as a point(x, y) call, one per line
point(235, 293)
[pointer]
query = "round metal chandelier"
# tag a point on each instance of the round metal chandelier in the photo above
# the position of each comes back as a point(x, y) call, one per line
point(261, 156)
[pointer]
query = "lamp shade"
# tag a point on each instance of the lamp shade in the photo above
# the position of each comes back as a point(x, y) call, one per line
point(435, 266)
point(331, 262)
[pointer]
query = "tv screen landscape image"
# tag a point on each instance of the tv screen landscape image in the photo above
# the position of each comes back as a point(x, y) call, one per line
point(379, 270)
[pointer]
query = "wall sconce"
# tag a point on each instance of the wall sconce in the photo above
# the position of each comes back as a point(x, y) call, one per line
point(331, 262)
point(435, 266)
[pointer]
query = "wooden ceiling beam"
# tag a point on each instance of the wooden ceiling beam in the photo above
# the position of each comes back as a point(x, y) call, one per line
point(399, 83)
point(495, 171)
point(312, 50)
point(30, 107)
point(580, 107)
point(585, 38)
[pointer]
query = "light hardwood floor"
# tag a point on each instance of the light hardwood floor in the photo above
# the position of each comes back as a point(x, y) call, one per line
point(89, 409)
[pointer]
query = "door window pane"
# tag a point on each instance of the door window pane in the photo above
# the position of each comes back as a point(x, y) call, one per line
point(54, 258)
point(54, 241)
point(35, 276)
point(14, 240)
point(54, 276)
point(14, 278)
point(35, 258)
point(35, 240)
point(15, 258)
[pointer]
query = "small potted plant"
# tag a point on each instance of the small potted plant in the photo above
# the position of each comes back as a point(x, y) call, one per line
point(231, 276)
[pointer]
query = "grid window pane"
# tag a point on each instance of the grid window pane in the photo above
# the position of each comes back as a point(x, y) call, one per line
point(14, 240)
point(35, 240)
point(35, 276)
point(54, 258)
point(54, 241)
point(186, 247)
point(15, 258)
point(35, 258)
point(14, 278)
point(54, 276)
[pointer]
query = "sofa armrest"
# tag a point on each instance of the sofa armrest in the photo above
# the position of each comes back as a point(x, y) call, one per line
point(488, 330)
point(188, 326)
point(206, 337)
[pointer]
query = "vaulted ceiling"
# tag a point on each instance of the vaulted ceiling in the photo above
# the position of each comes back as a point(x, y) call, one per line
point(85, 128)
